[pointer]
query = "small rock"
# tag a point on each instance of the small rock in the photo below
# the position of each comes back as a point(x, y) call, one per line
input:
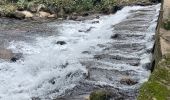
point(97, 17)
point(128, 81)
point(52, 81)
point(73, 17)
point(86, 52)
point(35, 98)
point(89, 29)
point(94, 22)
point(61, 42)
point(85, 14)
point(114, 36)
point(16, 57)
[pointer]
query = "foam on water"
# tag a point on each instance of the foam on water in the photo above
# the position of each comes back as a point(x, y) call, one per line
point(48, 69)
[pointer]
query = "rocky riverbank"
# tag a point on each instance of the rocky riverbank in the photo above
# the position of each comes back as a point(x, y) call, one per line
point(64, 9)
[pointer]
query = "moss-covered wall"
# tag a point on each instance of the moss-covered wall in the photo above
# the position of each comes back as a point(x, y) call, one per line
point(158, 85)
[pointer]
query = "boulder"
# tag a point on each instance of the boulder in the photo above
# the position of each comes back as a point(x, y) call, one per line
point(6, 54)
point(43, 14)
point(52, 16)
point(27, 14)
point(19, 15)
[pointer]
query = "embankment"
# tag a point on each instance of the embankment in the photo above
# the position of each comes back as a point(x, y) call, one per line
point(157, 88)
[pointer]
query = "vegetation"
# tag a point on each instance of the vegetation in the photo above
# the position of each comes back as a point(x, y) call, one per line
point(158, 86)
point(7, 7)
point(68, 5)
point(100, 95)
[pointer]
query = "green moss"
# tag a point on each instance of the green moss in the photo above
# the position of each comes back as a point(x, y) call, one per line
point(157, 88)
point(99, 95)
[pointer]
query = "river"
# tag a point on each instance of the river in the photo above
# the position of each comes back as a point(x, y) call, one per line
point(66, 60)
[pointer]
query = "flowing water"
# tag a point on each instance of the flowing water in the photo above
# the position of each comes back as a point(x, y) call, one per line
point(69, 59)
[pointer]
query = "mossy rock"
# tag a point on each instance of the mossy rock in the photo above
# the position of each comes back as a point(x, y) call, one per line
point(100, 95)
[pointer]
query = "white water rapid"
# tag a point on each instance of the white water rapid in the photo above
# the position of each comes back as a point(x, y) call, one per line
point(48, 69)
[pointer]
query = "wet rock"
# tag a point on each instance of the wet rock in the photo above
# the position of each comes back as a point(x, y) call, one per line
point(35, 98)
point(147, 66)
point(114, 36)
point(64, 65)
point(128, 81)
point(61, 42)
point(16, 57)
point(89, 29)
point(85, 14)
point(134, 63)
point(100, 95)
point(86, 52)
point(95, 22)
point(52, 81)
point(73, 17)
point(101, 45)
point(97, 17)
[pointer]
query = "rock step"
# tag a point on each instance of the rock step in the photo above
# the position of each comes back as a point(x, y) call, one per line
point(109, 76)
point(131, 28)
point(118, 36)
point(117, 59)
point(126, 47)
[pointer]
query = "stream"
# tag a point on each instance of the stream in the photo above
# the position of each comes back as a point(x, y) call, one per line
point(67, 60)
